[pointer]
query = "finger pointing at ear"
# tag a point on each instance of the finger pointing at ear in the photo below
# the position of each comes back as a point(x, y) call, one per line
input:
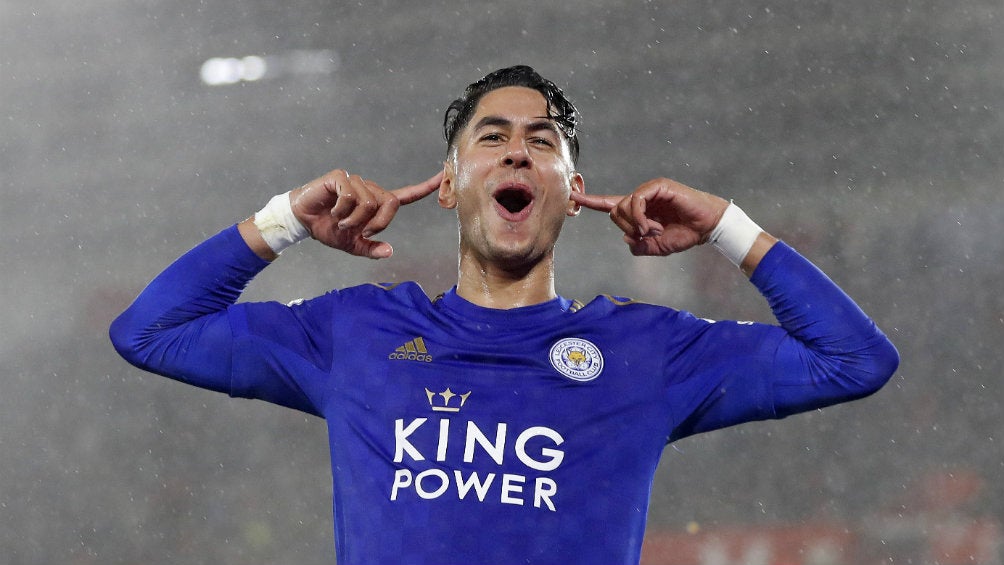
point(596, 202)
point(391, 200)
point(416, 192)
point(617, 205)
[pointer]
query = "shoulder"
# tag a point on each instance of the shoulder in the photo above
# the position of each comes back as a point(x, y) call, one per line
point(622, 314)
point(403, 293)
point(612, 305)
point(361, 297)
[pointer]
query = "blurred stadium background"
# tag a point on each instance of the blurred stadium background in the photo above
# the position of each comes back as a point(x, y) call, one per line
point(867, 134)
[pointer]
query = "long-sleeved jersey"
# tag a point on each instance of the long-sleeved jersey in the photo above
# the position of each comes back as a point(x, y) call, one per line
point(462, 434)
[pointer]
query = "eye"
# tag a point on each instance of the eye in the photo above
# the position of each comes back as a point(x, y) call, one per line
point(492, 137)
point(542, 142)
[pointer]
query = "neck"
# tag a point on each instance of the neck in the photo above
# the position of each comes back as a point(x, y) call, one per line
point(494, 286)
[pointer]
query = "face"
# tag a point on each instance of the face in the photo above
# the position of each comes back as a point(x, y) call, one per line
point(509, 178)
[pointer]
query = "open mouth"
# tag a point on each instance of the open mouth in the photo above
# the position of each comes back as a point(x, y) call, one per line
point(514, 199)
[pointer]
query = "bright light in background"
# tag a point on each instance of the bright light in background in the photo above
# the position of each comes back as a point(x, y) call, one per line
point(220, 71)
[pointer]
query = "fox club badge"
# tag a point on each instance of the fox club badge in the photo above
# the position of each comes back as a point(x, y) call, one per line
point(577, 359)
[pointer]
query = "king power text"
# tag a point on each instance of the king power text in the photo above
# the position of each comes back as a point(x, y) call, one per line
point(420, 440)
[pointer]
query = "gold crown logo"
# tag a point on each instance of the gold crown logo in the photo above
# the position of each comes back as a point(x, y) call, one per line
point(446, 405)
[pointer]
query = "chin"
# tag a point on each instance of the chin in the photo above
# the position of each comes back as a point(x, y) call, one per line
point(516, 256)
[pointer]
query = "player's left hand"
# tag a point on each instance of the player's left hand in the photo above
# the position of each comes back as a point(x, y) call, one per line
point(661, 216)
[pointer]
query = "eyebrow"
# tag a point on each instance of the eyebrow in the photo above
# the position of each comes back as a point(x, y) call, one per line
point(540, 123)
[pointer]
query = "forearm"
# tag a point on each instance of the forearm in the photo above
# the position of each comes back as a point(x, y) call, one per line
point(764, 242)
point(254, 240)
point(740, 239)
point(274, 228)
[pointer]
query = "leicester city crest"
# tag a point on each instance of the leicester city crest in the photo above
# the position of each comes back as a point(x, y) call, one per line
point(577, 359)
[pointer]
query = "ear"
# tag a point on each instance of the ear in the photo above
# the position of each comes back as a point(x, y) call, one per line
point(447, 193)
point(578, 184)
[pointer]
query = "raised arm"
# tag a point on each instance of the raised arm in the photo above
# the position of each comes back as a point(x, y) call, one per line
point(832, 351)
point(183, 324)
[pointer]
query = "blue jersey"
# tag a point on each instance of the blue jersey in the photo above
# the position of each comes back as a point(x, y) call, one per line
point(462, 434)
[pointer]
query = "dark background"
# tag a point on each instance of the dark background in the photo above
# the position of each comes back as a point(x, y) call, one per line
point(866, 134)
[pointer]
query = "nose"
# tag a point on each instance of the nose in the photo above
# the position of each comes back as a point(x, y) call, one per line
point(516, 155)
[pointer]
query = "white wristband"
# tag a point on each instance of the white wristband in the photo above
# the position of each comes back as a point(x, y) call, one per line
point(277, 224)
point(735, 234)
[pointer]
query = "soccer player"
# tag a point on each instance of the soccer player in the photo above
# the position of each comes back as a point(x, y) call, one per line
point(500, 422)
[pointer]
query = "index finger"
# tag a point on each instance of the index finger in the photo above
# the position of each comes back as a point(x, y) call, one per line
point(416, 192)
point(600, 203)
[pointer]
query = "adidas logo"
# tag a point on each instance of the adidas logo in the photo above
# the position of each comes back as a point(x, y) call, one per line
point(414, 350)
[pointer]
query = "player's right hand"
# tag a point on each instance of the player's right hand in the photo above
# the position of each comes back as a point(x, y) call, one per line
point(343, 211)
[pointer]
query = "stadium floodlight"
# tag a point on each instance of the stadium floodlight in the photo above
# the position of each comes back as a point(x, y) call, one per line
point(221, 71)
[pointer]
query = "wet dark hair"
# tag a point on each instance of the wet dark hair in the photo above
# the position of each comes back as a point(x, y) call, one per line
point(559, 108)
